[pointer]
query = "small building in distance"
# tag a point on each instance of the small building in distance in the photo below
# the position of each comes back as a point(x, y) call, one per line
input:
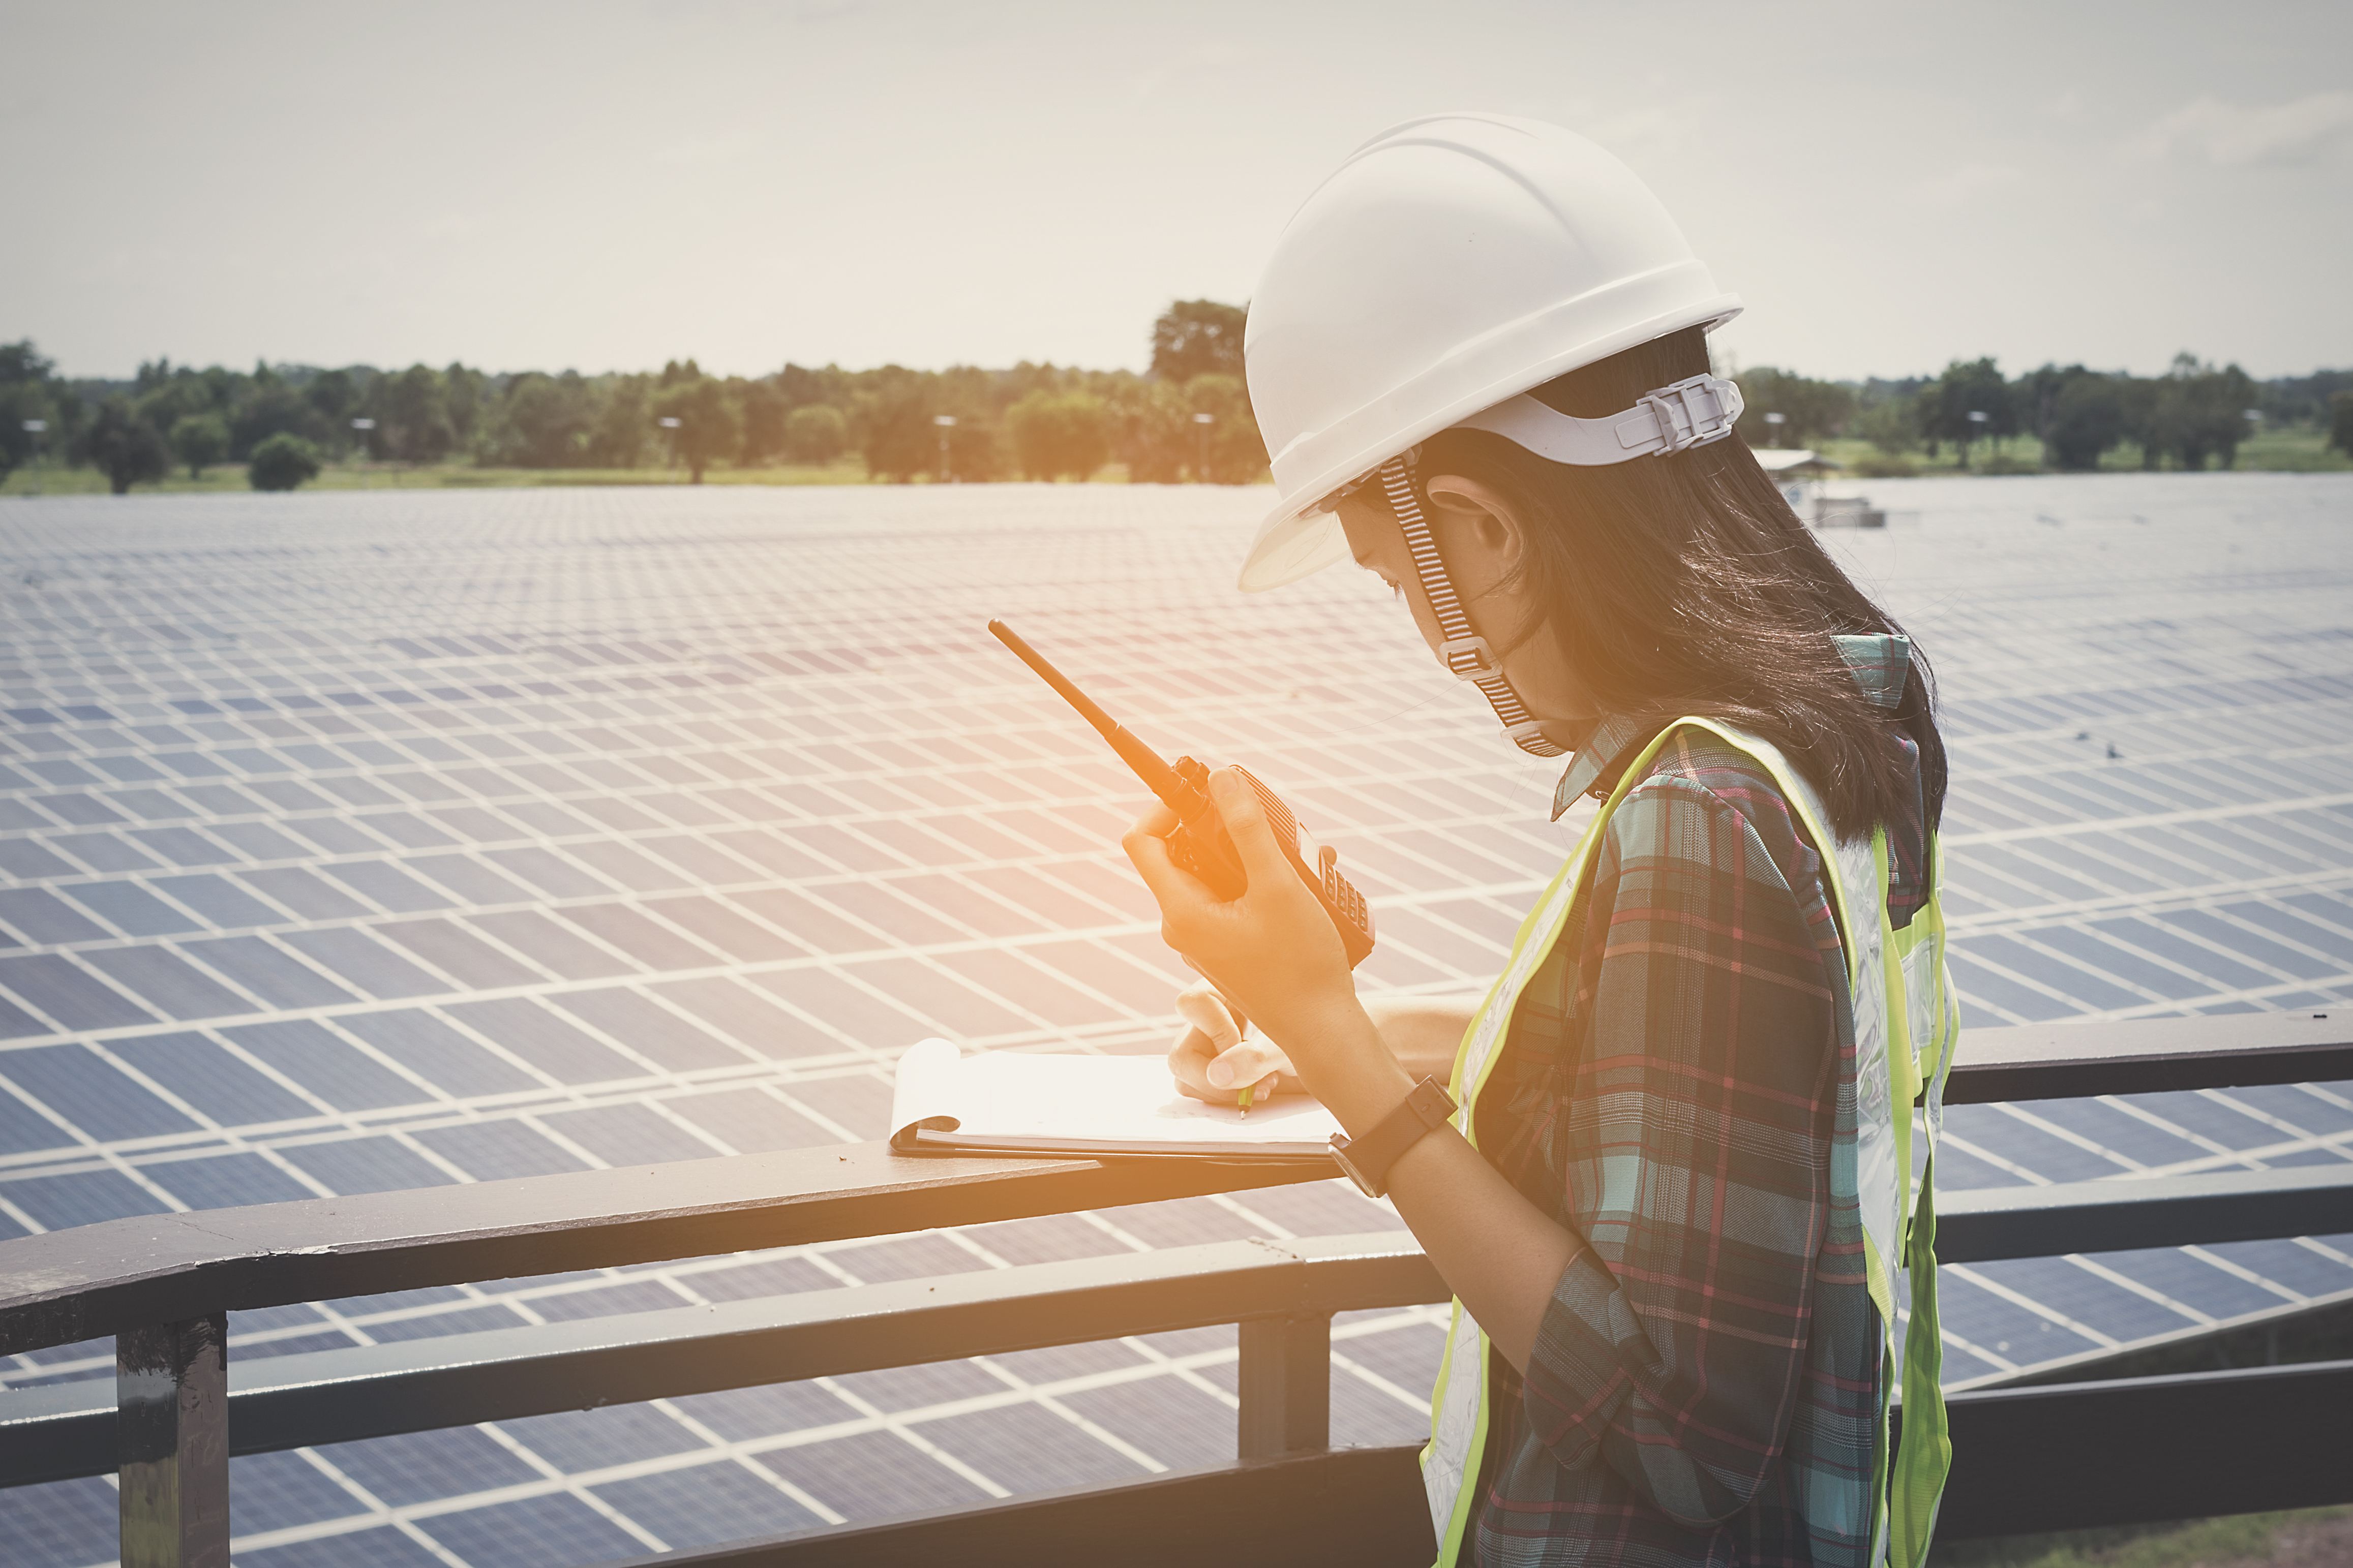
point(1800, 473)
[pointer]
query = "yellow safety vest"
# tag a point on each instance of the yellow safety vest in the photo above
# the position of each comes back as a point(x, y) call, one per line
point(1906, 1023)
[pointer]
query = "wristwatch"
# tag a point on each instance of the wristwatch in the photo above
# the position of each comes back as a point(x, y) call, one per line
point(1368, 1160)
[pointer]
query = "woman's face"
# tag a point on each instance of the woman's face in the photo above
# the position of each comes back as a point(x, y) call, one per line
point(1480, 535)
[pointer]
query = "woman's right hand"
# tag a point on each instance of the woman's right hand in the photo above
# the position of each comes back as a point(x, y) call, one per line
point(1213, 1060)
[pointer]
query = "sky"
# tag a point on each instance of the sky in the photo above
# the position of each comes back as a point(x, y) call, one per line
point(611, 184)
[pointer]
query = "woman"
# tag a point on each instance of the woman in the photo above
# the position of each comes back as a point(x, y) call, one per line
point(1678, 1210)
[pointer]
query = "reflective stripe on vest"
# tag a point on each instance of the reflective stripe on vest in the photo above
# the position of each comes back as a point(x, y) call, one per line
point(1906, 1023)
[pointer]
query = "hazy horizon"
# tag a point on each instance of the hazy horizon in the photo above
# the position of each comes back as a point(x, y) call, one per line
point(612, 186)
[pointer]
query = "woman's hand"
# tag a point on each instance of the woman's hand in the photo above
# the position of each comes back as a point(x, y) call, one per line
point(1274, 950)
point(1212, 1060)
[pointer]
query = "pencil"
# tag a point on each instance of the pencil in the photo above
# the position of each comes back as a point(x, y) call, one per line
point(1245, 1098)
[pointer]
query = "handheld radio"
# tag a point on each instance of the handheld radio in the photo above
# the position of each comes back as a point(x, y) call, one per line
point(1200, 843)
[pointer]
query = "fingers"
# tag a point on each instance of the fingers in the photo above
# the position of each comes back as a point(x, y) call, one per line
point(1201, 1006)
point(1226, 1061)
point(1188, 1064)
point(1246, 822)
point(1203, 1073)
point(1241, 1066)
point(1147, 850)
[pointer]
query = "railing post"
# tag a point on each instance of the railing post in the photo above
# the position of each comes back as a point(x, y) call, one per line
point(171, 1396)
point(1286, 1386)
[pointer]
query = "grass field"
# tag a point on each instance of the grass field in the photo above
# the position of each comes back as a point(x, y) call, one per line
point(54, 480)
point(2298, 451)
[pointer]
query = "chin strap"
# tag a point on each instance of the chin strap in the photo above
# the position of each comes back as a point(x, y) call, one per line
point(1464, 651)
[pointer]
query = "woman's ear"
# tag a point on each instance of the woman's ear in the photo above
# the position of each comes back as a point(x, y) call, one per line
point(1480, 516)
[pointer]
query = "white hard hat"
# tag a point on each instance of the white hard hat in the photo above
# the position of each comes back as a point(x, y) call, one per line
point(1449, 265)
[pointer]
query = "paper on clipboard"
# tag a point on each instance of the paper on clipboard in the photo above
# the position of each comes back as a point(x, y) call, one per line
point(1036, 1103)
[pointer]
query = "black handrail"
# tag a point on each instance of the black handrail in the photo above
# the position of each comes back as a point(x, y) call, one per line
point(100, 1279)
point(164, 1285)
point(97, 1280)
point(411, 1385)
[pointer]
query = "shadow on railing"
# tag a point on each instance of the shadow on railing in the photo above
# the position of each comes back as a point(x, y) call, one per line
point(2027, 1458)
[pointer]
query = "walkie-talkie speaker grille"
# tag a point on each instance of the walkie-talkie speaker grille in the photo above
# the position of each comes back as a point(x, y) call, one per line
point(1340, 895)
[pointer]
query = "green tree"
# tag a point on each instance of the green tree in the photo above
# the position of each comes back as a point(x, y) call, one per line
point(334, 396)
point(2303, 399)
point(1891, 425)
point(892, 421)
point(26, 394)
point(802, 386)
point(2087, 417)
point(199, 440)
point(2034, 397)
point(166, 395)
point(1158, 438)
point(120, 444)
point(624, 422)
point(1810, 410)
point(976, 448)
point(1198, 337)
point(542, 422)
point(1966, 388)
point(2206, 415)
point(465, 394)
point(1154, 421)
point(282, 462)
point(271, 407)
point(2147, 419)
point(1227, 450)
point(412, 417)
point(1058, 434)
point(708, 427)
point(764, 410)
point(816, 433)
point(2341, 421)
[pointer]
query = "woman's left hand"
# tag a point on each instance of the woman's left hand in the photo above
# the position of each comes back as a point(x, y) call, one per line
point(1273, 952)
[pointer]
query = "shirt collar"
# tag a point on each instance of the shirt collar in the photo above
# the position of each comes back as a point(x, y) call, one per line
point(1880, 662)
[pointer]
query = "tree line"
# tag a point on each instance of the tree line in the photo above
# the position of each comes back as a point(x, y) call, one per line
point(1186, 418)
point(2192, 415)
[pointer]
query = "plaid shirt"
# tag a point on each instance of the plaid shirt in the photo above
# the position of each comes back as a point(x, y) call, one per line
point(1705, 1388)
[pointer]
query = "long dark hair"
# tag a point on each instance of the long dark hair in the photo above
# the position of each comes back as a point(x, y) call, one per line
point(1685, 585)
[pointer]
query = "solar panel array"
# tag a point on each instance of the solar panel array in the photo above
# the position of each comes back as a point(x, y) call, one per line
point(365, 841)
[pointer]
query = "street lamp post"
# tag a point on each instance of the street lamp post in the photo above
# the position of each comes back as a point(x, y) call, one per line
point(1201, 423)
point(37, 428)
point(670, 424)
point(1773, 423)
point(360, 427)
point(946, 422)
point(1978, 417)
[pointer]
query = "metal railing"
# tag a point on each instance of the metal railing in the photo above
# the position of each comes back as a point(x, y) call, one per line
point(2031, 1459)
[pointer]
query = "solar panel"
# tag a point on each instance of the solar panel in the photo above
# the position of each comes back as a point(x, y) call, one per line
point(356, 841)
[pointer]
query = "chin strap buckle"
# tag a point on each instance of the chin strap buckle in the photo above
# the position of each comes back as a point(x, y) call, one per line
point(1471, 658)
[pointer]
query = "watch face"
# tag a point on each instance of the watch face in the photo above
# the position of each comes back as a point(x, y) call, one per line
point(1348, 1167)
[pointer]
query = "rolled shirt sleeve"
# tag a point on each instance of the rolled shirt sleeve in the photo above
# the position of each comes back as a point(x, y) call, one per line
point(1689, 1145)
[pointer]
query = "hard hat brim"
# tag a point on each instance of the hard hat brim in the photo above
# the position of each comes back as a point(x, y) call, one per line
point(1297, 540)
point(1293, 544)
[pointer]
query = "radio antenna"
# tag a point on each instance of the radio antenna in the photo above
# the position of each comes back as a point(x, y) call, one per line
point(1164, 780)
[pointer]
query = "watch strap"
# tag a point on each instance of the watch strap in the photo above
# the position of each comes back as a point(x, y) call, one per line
point(1368, 1160)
